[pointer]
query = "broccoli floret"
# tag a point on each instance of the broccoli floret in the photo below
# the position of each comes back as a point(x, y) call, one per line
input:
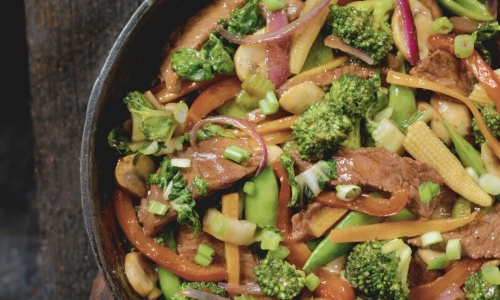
point(312, 181)
point(244, 20)
point(278, 278)
point(492, 119)
point(209, 287)
point(149, 123)
point(175, 190)
point(477, 288)
point(378, 270)
point(326, 124)
point(288, 164)
point(364, 25)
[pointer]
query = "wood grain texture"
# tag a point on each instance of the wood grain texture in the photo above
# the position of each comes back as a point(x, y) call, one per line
point(68, 42)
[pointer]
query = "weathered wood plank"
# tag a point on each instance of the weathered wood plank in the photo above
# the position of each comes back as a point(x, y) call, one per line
point(68, 42)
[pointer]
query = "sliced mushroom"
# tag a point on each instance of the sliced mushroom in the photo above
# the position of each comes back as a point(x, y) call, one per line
point(250, 59)
point(142, 275)
point(301, 96)
point(132, 173)
point(456, 114)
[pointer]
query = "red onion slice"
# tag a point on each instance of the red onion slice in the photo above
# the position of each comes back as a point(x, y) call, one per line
point(405, 16)
point(272, 36)
point(242, 124)
point(249, 288)
point(277, 52)
point(196, 294)
point(335, 42)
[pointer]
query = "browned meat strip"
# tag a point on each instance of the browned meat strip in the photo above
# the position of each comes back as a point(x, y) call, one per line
point(433, 7)
point(302, 219)
point(445, 69)
point(208, 163)
point(386, 171)
point(152, 223)
point(193, 34)
point(293, 9)
point(418, 273)
point(479, 239)
point(187, 244)
point(326, 78)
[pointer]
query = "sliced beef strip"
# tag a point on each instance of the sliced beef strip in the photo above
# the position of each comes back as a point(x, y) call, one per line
point(479, 239)
point(445, 69)
point(187, 246)
point(433, 7)
point(208, 163)
point(302, 219)
point(152, 223)
point(387, 171)
point(418, 273)
point(193, 34)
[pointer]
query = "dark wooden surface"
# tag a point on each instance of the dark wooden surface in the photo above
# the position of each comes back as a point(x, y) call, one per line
point(67, 42)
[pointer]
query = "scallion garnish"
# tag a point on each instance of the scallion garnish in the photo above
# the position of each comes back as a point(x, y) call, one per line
point(438, 263)
point(431, 237)
point(464, 45)
point(428, 190)
point(348, 192)
point(236, 153)
point(205, 255)
point(269, 105)
point(312, 281)
point(442, 25)
point(453, 249)
point(158, 208)
point(491, 274)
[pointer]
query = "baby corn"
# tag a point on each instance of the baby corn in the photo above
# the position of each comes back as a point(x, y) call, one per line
point(425, 146)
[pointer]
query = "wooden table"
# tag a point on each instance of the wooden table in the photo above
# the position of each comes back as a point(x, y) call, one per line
point(68, 42)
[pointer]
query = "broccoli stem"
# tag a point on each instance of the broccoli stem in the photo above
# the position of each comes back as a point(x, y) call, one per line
point(169, 281)
point(327, 250)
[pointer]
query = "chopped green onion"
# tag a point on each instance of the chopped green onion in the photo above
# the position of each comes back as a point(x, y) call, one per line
point(257, 85)
point(442, 25)
point(428, 190)
point(438, 263)
point(205, 255)
point(180, 112)
point(270, 243)
point(464, 45)
point(180, 162)
point(348, 192)
point(312, 281)
point(236, 153)
point(280, 252)
point(453, 249)
point(490, 183)
point(273, 5)
point(431, 237)
point(157, 208)
point(461, 208)
point(249, 188)
point(491, 274)
point(269, 105)
point(472, 173)
point(392, 245)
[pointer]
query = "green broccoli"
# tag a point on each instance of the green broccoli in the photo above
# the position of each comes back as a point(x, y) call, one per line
point(378, 270)
point(288, 164)
point(175, 190)
point(492, 119)
point(312, 181)
point(364, 25)
point(326, 124)
point(209, 287)
point(245, 20)
point(149, 123)
point(477, 288)
point(278, 278)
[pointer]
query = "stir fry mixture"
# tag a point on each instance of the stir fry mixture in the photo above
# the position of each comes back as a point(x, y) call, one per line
point(317, 150)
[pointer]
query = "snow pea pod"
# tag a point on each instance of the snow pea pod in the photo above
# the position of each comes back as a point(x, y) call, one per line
point(467, 8)
point(327, 250)
point(261, 207)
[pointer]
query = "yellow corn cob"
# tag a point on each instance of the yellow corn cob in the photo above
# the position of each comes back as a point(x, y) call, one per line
point(425, 146)
point(303, 38)
point(479, 96)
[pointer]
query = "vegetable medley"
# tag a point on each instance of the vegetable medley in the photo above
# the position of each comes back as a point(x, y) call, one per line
point(317, 149)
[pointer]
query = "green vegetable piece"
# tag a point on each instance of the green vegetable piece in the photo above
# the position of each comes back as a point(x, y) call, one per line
point(468, 155)
point(269, 105)
point(453, 249)
point(279, 279)
point(157, 208)
point(261, 208)
point(280, 252)
point(478, 12)
point(477, 287)
point(404, 214)
point(491, 274)
point(249, 188)
point(273, 5)
point(431, 237)
point(464, 45)
point(438, 263)
point(230, 108)
point(461, 208)
point(245, 20)
point(236, 154)
point(312, 281)
point(442, 25)
point(327, 251)
point(169, 281)
point(428, 190)
point(200, 185)
point(492, 119)
point(318, 55)
point(288, 164)
point(401, 98)
point(204, 286)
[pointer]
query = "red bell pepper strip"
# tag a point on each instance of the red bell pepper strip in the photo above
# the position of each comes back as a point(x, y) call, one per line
point(211, 98)
point(367, 203)
point(333, 286)
point(457, 273)
point(161, 255)
point(475, 64)
point(299, 252)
